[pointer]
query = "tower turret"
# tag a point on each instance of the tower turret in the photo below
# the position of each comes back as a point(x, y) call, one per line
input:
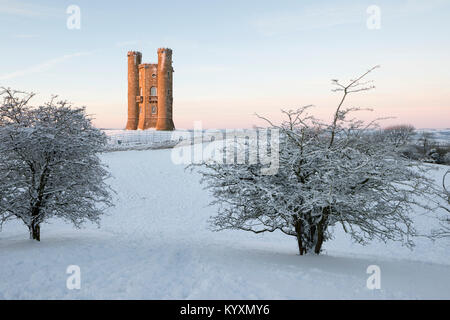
point(165, 84)
point(134, 60)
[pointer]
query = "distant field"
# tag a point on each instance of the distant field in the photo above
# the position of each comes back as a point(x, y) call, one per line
point(441, 136)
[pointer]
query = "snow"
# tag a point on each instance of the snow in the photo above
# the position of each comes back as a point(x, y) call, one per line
point(119, 139)
point(441, 136)
point(149, 138)
point(156, 244)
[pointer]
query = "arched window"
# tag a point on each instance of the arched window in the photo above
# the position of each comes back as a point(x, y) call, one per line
point(153, 91)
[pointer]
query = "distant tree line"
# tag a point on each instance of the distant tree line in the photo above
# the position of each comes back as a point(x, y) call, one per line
point(420, 145)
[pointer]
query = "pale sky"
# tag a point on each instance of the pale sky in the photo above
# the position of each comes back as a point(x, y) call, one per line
point(234, 58)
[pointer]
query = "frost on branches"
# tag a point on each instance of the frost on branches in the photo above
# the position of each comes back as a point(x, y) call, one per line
point(343, 172)
point(48, 163)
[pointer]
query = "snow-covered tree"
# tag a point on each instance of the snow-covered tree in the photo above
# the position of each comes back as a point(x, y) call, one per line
point(427, 143)
point(398, 134)
point(49, 164)
point(329, 173)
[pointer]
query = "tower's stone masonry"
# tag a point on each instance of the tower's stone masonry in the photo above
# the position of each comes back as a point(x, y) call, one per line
point(148, 107)
point(134, 60)
point(150, 96)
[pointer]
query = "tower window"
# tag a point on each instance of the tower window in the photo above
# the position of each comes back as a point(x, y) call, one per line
point(153, 91)
point(153, 75)
point(154, 109)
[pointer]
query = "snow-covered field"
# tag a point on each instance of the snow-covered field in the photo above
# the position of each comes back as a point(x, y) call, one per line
point(126, 138)
point(441, 136)
point(156, 244)
point(152, 139)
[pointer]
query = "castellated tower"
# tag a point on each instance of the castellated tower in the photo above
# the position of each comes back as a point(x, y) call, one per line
point(134, 60)
point(165, 97)
point(150, 95)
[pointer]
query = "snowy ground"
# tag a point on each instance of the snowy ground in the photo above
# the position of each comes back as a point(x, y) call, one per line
point(155, 244)
point(441, 136)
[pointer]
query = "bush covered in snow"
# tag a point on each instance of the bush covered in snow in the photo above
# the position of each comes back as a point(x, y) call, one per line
point(343, 172)
point(48, 163)
point(398, 135)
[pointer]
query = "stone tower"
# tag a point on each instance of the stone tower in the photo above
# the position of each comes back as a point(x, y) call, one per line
point(134, 60)
point(150, 96)
point(165, 97)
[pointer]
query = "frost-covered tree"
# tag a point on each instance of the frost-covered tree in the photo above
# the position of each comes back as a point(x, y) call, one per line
point(340, 172)
point(398, 134)
point(49, 164)
point(427, 143)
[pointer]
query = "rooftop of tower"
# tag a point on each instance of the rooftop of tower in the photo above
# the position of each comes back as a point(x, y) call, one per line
point(143, 65)
point(132, 53)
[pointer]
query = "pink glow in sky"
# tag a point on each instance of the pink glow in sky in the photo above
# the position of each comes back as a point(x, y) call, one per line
point(236, 58)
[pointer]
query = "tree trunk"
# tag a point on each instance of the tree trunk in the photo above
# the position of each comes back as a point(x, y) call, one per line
point(314, 238)
point(35, 232)
point(298, 231)
point(301, 249)
point(319, 242)
point(321, 227)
